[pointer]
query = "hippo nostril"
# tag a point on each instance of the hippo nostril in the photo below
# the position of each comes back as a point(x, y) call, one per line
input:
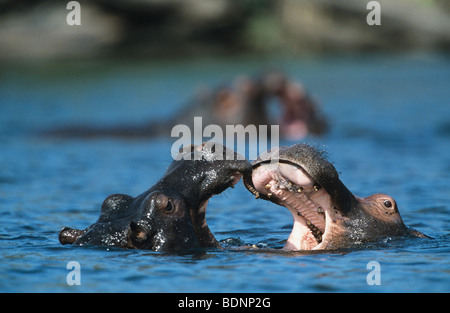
point(169, 206)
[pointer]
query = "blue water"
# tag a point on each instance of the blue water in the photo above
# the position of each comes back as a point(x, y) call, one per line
point(390, 133)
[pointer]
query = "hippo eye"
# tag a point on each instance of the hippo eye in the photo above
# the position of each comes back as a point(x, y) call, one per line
point(387, 203)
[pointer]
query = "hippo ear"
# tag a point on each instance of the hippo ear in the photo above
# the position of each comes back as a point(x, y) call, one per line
point(115, 206)
point(138, 236)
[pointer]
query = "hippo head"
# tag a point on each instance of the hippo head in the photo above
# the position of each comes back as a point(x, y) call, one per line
point(171, 214)
point(326, 214)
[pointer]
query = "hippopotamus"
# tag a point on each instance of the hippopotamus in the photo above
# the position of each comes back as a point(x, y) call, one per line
point(326, 214)
point(245, 101)
point(170, 216)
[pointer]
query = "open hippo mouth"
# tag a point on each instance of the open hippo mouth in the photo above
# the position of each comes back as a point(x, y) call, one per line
point(326, 214)
point(289, 185)
point(285, 176)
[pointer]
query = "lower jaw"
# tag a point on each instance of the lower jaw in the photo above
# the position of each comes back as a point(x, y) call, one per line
point(301, 246)
point(301, 238)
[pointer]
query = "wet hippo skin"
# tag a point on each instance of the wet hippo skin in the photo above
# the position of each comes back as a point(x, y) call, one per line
point(169, 216)
point(326, 214)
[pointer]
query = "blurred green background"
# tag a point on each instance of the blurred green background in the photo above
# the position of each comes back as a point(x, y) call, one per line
point(37, 29)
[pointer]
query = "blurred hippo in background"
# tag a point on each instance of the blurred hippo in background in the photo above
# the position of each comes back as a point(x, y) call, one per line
point(268, 99)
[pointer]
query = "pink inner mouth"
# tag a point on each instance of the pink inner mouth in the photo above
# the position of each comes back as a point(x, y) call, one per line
point(290, 186)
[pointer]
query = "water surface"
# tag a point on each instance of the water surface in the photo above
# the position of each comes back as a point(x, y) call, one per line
point(390, 133)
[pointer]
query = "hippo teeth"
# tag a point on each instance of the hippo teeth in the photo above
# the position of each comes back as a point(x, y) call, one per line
point(297, 197)
point(290, 186)
point(312, 213)
point(315, 231)
point(250, 187)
